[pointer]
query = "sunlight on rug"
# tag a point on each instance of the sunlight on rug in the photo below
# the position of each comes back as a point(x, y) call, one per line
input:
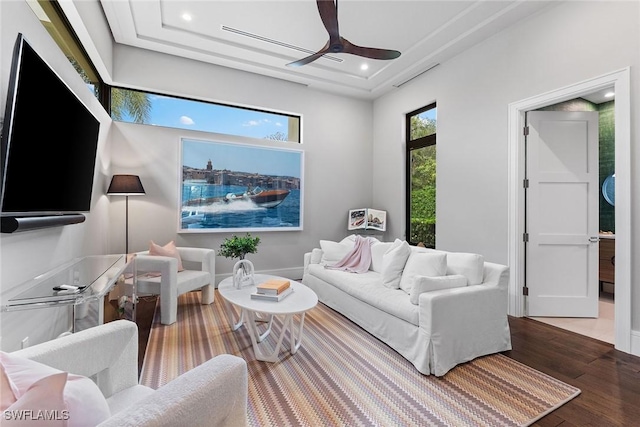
point(342, 376)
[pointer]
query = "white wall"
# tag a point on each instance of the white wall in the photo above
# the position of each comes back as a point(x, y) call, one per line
point(565, 44)
point(336, 135)
point(27, 254)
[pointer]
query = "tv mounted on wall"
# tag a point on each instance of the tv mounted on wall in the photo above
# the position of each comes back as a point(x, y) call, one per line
point(49, 142)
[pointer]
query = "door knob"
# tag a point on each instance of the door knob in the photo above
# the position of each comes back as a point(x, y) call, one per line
point(594, 239)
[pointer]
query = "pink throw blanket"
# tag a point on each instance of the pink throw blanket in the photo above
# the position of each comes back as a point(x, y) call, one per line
point(358, 259)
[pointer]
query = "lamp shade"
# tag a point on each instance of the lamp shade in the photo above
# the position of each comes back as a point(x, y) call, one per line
point(126, 185)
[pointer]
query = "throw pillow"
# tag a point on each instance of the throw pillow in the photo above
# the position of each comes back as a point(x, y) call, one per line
point(469, 265)
point(423, 264)
point(83, 399)
point(422, 284)
point(377, 251)
point(42, 404)
point(6, 394)
point(393, 262)
point(167, 250)
point(333, 252)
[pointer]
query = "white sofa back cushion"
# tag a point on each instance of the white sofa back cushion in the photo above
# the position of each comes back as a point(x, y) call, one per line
point(333, 252)
point(393, 262)
point(377, 251)
point(422, 284)
point(423, 264)
point(469, 265)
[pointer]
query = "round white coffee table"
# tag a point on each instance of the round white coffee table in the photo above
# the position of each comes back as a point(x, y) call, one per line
point(252, 311)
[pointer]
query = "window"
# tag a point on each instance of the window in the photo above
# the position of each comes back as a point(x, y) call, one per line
point(161, 110)
point(55, 22)
point(421, 176)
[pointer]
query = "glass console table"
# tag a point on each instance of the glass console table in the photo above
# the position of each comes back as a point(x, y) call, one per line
point(94, 275)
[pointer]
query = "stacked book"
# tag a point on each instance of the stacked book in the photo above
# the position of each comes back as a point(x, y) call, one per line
point(272, 290)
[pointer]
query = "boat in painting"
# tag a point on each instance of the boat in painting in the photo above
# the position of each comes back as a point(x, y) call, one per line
point(264, 198)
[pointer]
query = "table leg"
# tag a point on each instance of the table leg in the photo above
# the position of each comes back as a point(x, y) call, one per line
point(293, 343)
point(253, 333)
point(231, 316)
point(266, 333)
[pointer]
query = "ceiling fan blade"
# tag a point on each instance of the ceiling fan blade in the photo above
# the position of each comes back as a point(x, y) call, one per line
point(368, 52)
point(329, 15)
point(310, 58)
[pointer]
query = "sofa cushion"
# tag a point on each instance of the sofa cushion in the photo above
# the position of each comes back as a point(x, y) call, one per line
point(333, 252)
point(393, 262)
point(422, 284)
point(316, 256)
point(377, 251)
point(423, 264)
point(469, 265)
point(368, 288)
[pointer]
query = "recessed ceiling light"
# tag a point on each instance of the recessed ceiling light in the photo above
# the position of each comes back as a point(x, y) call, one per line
point(609, 94)
point(364, 67)
point(186, 17)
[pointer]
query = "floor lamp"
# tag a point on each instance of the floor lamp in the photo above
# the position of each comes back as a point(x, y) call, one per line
point(126, 185)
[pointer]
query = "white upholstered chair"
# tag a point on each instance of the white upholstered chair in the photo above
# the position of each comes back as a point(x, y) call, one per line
point(211, 394)
point(170, 283)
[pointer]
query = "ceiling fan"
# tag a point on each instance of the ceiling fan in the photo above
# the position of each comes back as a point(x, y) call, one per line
point(337, 44)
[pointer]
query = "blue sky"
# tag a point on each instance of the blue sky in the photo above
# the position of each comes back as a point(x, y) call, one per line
point(243, 158)
point(202, 116)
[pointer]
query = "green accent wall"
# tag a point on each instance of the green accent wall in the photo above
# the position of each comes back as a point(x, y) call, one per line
point(607, 160)
point(607, 144)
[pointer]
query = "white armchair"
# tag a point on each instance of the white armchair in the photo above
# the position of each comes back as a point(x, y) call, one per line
point(212, 394)
point(171, 283)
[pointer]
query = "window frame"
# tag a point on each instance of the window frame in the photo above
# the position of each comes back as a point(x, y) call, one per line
point(222, 104)
point(64, 33)
point(411, 145)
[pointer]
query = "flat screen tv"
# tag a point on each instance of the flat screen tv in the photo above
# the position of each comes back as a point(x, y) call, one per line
point(49, 142)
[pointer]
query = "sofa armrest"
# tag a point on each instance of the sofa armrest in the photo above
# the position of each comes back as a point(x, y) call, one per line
point(212, 394)
point(204, 256)
point(108, 353)
point(165, 265)
point(471, 320)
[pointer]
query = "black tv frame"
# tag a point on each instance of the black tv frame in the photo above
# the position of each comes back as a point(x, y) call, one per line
point(25, 220)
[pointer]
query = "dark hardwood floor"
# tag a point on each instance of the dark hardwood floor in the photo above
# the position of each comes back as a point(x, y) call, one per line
point(609, 379)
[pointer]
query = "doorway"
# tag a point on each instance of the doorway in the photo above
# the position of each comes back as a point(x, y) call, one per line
point(564, 304)
point(619, 80)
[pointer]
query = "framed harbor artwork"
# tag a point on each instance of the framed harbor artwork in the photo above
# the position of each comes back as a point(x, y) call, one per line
point(230, 187)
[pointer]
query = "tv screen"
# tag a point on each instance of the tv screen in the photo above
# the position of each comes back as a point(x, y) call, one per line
point(49, 141)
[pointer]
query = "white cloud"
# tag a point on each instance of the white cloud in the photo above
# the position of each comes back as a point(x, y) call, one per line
point(186, 120)
point(278, 124)
point(251, 123)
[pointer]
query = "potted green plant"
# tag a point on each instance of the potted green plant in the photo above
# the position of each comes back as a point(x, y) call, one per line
point(238, 247)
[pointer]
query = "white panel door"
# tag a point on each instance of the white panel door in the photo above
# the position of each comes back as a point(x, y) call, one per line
point(562, 214)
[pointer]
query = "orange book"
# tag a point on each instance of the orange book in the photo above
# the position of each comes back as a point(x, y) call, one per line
point(273, 286)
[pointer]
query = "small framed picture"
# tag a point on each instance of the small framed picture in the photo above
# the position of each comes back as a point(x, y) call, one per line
point(357, 219)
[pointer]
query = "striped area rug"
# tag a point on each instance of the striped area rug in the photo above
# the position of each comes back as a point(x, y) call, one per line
point(342, 376)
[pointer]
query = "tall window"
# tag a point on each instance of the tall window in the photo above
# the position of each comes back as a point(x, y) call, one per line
point(162, 110)
point(421, 176)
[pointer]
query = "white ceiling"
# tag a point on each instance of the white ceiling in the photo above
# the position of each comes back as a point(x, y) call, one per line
point(426, 32)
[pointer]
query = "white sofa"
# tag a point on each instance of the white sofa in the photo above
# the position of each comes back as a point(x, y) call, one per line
point(441, 328)
point(212, 394)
